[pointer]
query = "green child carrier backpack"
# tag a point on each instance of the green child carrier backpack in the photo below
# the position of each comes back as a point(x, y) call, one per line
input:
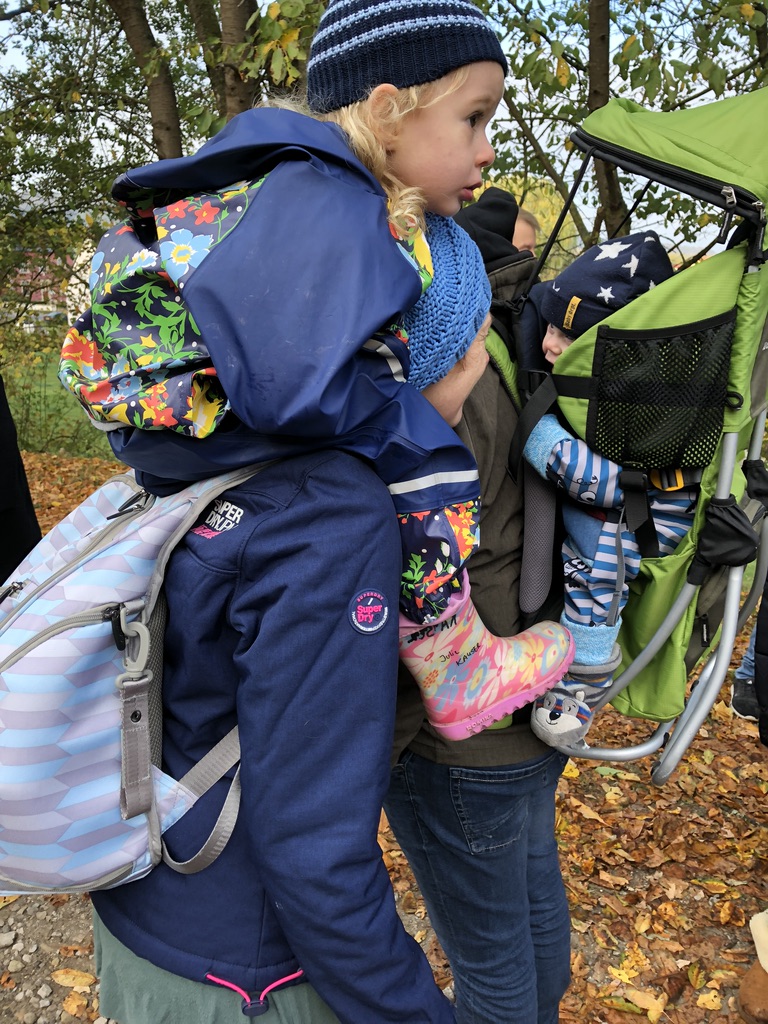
point(672, 387)
point(84, 801)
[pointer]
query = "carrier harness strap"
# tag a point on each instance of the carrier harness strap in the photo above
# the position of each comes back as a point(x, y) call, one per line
point(674, 479)
point(637, 507)
point(536, 406)
point(500, 309)
point(540, 507)
point(639, 518)
point(544, 389)
point(539, 495)
point(505, 315)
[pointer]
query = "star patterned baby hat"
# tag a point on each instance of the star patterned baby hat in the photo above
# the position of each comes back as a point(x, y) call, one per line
point(603, 279)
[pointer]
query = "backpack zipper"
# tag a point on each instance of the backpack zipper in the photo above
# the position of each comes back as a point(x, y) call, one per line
point(13, 588)
point(104, 613)
point(133, 507)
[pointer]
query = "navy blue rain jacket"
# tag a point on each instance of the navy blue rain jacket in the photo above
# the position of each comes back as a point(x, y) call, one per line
point(283, 619)
point(294, 308)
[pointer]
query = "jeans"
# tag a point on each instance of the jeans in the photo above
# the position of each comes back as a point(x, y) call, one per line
point(481, 844)
point(746, 668)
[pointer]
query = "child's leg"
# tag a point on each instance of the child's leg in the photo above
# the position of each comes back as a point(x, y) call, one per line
point(599, 558)
point(470, 678)
point(595, 594)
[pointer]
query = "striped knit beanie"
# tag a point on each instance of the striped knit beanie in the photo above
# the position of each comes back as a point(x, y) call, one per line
point(445, 321)
point(360, 44)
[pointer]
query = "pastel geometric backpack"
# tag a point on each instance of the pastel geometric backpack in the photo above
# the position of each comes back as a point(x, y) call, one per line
point(84, 801)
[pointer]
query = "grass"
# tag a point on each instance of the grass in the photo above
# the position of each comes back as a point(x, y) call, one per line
point(47, 417)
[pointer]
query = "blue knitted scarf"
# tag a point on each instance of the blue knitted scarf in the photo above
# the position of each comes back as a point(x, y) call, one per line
point(445, 321)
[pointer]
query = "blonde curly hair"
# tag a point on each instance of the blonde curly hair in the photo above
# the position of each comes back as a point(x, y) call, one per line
point(370, 127)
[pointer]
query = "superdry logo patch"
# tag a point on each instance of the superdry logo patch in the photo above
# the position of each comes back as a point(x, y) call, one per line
point(223, 516)
point(368, 611)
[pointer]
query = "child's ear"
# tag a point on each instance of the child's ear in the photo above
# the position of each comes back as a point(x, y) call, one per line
point(381, 103)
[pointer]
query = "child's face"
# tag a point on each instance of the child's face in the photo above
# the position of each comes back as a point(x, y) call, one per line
point(524, 236)
point(449, 394)
point(554, 343)
point(442, 148)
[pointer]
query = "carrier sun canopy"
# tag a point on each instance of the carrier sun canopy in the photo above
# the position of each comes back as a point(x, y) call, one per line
point(717, 152)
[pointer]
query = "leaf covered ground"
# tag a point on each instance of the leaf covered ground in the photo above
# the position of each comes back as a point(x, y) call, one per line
point(662, 881)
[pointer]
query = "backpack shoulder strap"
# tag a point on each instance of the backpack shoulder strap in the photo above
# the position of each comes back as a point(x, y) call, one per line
point(138, 682)
point(511, 279)
point(199, 779)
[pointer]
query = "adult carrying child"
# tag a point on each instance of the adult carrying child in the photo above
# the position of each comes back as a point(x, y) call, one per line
point(250, 308)
point(252, 304)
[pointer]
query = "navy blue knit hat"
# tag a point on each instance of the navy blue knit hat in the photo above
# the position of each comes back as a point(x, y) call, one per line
point(602, 280)
point(445, 321)
point(360, 44)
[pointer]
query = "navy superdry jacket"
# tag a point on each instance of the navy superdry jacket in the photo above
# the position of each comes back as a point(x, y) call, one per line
point(283, 619)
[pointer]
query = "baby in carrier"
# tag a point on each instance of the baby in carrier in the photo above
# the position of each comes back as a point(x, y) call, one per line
point(600, 554)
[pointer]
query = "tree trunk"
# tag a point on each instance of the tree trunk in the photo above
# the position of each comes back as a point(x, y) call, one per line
point(239, 94)
point(208, 32)
point(761, 38)
point(613, 209)
point(557, 179)
point(161, 95)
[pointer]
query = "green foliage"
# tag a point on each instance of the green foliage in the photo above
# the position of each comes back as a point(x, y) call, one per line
point(64, 137)
point(74, 112)
point(46, 416)
point(280, 41)
point(664, 56)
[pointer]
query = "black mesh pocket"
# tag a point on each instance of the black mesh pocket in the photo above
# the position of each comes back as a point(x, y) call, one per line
point(659, 397)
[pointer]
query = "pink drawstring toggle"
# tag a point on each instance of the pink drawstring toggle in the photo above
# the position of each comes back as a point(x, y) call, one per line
point(254, 1007)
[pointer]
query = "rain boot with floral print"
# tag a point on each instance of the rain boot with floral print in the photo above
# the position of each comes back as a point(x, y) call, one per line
point(470, 678)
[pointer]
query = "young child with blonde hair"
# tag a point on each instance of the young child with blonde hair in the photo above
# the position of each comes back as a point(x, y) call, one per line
point(252, 306)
